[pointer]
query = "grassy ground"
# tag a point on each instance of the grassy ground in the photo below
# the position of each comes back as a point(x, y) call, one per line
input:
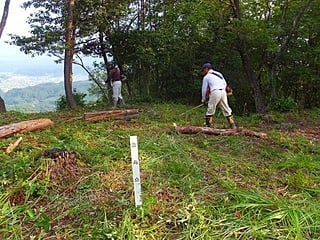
point(193, 186)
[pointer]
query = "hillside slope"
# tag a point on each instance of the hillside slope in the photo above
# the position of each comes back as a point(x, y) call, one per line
point(74, 180)
point(39, 98)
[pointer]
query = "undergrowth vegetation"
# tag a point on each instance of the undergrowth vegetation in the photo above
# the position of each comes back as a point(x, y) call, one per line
point(193, 186)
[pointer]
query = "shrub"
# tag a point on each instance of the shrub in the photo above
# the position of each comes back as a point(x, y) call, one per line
point(284, 104)
point(78, 97)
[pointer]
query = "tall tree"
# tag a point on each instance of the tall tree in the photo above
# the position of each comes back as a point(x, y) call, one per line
point(69, 52)
point(52, 33)
point(5, 14)
point(2, 26)
point(63, 28)
point(254, 77)
point(264, 32)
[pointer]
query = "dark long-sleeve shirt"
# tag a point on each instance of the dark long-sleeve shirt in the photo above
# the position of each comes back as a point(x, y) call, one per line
point(114, 75)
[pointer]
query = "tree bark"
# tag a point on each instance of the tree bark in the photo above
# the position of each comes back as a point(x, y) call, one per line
point(68, 58)
point(3, 22)
point(25, 126)
point(252, 76)
point(103, 47)
point(2, 105)
point(4, 18)
point(214, 131)
point(114, 114)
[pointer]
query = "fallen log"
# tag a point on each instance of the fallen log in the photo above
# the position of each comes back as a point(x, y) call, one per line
point(25, 126)
point(112, 114)
point(214, 131)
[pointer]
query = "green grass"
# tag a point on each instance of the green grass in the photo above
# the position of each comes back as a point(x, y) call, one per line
point(193, 186)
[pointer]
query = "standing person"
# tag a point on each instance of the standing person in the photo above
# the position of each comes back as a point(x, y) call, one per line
point(214, 87)
point(114, 77)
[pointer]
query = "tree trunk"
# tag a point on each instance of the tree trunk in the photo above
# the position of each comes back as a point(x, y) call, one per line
point(141, 17)
point(252, 76)
point(25, 126)
point(104, 51)
point(68, 58)
point(102, 47)
point(4, 16)
point(2, 25)
point(2, 105)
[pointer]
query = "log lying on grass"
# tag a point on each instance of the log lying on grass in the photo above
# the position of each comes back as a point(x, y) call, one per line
point(113, 114)
point(213, 131)
point(25, 126)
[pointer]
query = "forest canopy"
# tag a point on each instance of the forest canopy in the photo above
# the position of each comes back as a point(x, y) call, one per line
point(267, 50)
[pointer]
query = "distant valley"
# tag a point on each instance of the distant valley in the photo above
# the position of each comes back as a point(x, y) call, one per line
point(39, 98)
point(36, 84)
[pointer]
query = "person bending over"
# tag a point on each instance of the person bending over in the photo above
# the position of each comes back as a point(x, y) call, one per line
point(214, 93)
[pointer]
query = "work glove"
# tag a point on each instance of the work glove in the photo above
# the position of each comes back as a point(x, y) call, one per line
point(229, 90)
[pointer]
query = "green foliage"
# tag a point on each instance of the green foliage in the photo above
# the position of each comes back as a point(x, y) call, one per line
point(78, 97)
point(284, 104)
point(161, 45)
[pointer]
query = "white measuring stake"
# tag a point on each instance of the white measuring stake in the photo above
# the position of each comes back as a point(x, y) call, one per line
point(135, 170)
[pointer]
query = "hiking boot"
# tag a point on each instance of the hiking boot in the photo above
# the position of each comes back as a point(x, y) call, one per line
point(231, 122)
point(209, 120)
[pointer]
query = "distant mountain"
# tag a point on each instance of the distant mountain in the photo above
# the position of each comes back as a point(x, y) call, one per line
point(39, 98)
point(10, 80)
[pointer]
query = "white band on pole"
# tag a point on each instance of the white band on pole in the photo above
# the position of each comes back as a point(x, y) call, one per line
point(135, 170)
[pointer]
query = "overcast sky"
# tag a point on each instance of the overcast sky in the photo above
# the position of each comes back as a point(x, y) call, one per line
point(15, 66)
point(11, 58)
point(16, 24)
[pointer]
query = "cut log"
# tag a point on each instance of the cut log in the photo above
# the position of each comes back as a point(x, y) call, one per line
point(113, 114)
point(25, 126)
point(214, 131)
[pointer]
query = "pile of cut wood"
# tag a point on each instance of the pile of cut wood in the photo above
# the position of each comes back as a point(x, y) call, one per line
point(43, 123)
point(127, 114)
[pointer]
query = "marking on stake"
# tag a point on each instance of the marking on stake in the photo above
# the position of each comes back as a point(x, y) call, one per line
point(135, 170)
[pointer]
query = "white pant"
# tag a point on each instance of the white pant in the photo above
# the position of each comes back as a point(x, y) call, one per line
point(218, 98)
point(116, 90)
